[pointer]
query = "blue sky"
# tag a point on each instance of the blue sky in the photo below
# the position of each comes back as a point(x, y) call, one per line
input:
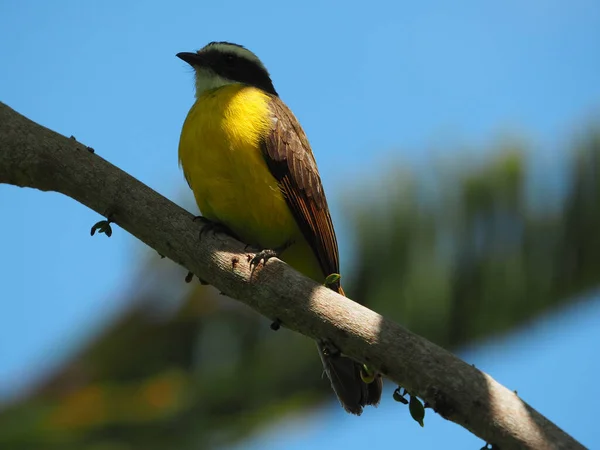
point(368, 81)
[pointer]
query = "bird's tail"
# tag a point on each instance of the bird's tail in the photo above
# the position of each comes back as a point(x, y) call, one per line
point(349, 386)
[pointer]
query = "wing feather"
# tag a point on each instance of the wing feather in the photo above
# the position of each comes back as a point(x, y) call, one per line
point(291, 161)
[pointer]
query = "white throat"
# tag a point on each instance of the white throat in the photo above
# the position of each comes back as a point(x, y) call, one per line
point(207, 80)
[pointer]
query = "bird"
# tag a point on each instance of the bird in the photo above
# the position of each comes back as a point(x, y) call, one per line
point(253, 174)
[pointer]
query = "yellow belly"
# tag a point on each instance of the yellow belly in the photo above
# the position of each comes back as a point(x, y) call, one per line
point(220, 154)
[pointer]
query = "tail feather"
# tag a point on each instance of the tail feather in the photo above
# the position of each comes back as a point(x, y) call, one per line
point(349, 387)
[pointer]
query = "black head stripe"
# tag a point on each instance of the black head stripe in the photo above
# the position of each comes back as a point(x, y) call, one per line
point(234, 67)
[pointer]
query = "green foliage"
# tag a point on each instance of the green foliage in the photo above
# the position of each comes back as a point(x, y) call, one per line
point(417, 410)
point(415, 406)
point(486, 254)
point(477, 255)
point(399, 396)
point(367, 374)
point(102, 227)
point(332, 279)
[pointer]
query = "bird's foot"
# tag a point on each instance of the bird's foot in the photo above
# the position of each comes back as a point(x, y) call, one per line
point(264, 255)
point(215, 227)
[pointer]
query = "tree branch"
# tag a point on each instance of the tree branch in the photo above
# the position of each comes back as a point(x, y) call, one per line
point(36, 157)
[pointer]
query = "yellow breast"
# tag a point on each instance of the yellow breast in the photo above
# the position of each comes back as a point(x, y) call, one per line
point(221, 157)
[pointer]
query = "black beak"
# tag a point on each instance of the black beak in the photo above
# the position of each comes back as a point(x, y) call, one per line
point(193, 59)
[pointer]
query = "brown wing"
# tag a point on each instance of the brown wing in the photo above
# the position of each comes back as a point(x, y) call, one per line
point(292, 163)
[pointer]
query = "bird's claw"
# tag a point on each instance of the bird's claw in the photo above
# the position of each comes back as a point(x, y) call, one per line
point(262, 257)
point(215, 227)
point(266, 254)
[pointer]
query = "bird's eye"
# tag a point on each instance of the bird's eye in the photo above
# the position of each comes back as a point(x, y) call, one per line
point(229, 58)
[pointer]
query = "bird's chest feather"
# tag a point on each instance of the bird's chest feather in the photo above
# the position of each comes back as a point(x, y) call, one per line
point(223, 162)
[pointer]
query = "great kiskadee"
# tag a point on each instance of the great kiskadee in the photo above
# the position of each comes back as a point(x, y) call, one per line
point(251, 169)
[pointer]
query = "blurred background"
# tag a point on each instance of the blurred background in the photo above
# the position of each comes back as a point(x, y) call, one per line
point(459, 146)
